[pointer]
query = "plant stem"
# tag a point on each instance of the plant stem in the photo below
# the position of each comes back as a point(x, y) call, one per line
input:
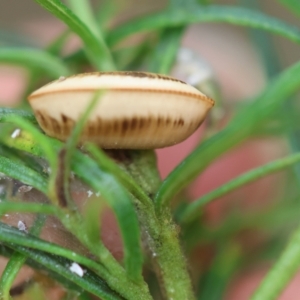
point(161, 233)
point(167, 256)
point(282, 272)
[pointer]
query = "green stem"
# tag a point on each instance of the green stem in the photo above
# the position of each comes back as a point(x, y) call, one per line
point(167, 256)
point(140, 165)
point(282, 272)
point(161, 233)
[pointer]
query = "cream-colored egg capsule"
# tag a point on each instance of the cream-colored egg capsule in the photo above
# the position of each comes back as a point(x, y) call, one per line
point(137, 110)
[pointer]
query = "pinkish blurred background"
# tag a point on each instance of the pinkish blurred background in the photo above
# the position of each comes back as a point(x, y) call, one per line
point(240, 74)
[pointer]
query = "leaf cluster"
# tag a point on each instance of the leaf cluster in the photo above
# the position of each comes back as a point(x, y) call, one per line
point(47, 165)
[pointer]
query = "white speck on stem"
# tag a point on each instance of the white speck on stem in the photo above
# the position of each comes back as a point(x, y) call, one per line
point(90, 193)
point(76, 269)
point(16, 133)
point(98, 194)
point(22, 226)
point(154, 254)
point(24, 188)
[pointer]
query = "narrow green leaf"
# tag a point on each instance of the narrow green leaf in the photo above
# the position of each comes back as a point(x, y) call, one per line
point(223, 266)
point(24, 142)
point(23, 174)
point(83, 9)
point(65, 155)
point(263, 42)
point(205, 2)
point(84, 296)
point(200, 14)
point(194, 209)
point(249, 119)
point(106, 12)
point(34, 59)
point(9, 274)
point(16, 262)
point(132, 57)
point(12, 235)
point(8, 251)
point(48, 150)
point(95, 48)
point(292, 5)
point(180, 3)
point(22, 158)
point(88, 282)
point(165, 53)
point(282, 272)
point(56, 46)
point(111, 190)
point(91, 219)
point(115, 194)
point(120, 202)
point(107, 164)
point(36, 208)
point(9, 112)
point(37, 136)
point(114, 275)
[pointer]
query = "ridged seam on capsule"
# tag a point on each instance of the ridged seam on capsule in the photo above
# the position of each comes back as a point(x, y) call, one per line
point(134, 74)
point(201, 97)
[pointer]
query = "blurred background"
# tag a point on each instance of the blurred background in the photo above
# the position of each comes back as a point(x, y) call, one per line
point(237, 65)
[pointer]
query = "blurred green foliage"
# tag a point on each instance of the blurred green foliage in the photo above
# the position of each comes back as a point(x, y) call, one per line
point(144, 217)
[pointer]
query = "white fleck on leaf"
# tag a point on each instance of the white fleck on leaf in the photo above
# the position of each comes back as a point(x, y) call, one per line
point(76, 269)
point(22, 226)
point(16, 133)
